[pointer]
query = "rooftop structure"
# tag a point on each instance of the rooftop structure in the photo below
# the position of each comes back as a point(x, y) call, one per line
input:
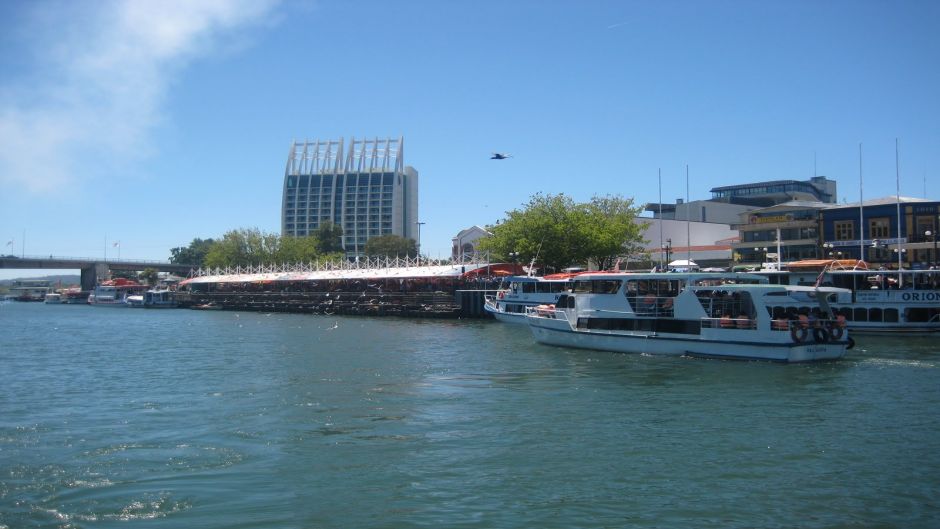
point(764, 194)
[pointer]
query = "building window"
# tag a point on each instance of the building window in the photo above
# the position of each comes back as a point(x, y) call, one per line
point(845, 230)
point(879, 228)
point(924, 224)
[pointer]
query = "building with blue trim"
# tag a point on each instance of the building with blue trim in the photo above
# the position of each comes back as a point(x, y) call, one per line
point(872, 233)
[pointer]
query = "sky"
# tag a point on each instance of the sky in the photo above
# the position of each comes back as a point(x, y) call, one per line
point(132, 127)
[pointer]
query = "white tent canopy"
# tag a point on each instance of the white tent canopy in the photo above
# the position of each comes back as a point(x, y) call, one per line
point(683, 263)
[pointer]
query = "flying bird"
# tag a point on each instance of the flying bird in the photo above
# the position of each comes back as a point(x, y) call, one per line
point(500, 156)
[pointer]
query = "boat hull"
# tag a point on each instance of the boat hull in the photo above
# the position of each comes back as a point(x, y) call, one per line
point(502, 316)
point(558, 332)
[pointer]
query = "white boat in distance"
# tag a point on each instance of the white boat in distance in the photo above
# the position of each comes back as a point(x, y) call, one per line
point(114, 293)
point(160, 299)
point(722, 315)
point(52, 298)
point(521, 292)
point(881, 301)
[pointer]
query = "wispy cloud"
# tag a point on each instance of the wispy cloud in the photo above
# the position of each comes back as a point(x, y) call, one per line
point(98, 75)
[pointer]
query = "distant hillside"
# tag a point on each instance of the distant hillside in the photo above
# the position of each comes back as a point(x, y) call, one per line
point(71, 279)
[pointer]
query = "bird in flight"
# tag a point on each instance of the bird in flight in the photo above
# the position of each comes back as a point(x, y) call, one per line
point(500, 156)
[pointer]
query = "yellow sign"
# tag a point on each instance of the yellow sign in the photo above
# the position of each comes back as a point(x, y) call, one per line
point(766, 220)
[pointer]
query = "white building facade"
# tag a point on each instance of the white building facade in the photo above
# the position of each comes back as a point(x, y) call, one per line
point(364, 188)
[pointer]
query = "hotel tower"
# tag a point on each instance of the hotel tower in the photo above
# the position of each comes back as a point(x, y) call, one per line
point(365, 188)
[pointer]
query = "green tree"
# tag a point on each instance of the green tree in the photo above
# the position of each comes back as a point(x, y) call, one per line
point(610, 229)
point(298, 249)
point(558, 233)
point(391, 246)
point(149, 276)
point(194, 254)
point(542, 230)
point(329, 237)
point(243, 247)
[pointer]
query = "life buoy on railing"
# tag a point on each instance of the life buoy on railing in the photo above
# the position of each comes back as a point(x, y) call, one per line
point(820, 334)
point(798, 333)
point(500, 295)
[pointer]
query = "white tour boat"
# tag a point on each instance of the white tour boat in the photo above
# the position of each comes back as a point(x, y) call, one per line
point(724, 315)
point(521, 292)
point(160, 299)
point(881, 301)
point(52, 298)
point(114, 293)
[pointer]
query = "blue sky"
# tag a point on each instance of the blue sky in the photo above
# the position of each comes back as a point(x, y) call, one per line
point(152, 123)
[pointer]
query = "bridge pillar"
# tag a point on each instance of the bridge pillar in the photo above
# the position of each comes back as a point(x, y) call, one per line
point(91, 274)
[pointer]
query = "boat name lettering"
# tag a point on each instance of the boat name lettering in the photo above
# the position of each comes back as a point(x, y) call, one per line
point(920, 296)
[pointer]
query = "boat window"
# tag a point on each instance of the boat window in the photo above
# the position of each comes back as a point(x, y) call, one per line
point(597, 286)
point(922, 314)
point(860, 315)
point(582, 287)
point(528, 288)
point(550, 287)
point(720, 302)
point(891, 315)
point(874, 315)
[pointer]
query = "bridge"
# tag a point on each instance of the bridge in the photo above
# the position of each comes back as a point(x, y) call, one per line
point(91, 268)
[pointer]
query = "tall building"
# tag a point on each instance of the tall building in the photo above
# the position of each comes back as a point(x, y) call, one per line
point(366, 189)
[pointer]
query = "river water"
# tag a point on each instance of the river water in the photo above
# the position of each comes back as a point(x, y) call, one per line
point(178, 418)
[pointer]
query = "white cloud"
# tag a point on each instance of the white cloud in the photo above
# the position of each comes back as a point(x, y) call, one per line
point(101, 72)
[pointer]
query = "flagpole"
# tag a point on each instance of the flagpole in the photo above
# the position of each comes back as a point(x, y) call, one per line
point(688, 225)
point(897, 180)
point(861, 209)
point(661, 247)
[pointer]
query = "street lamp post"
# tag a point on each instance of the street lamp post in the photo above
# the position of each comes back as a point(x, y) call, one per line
point(827, 249)
point(667, 248)
point(761, 253)
point(419, 223)
point(933, 256)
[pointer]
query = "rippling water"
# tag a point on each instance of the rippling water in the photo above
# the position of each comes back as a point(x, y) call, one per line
point(179, 418)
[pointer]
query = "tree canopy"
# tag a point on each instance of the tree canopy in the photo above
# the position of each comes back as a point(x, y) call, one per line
point(194, 254)
point(329, 238)
point(391, 246)
point(251, 246)
point(558, 232)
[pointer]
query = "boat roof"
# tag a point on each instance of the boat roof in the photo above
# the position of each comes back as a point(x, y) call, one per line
point(540, 279)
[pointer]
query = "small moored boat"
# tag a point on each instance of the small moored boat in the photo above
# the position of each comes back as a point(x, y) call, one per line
point(521, 292)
